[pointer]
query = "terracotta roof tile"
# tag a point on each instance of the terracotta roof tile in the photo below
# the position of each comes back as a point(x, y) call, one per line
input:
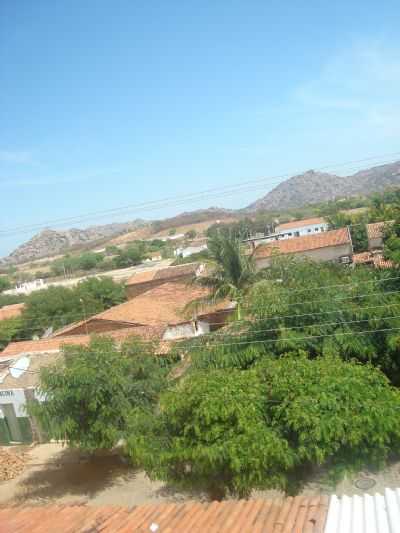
point(302, 244)
point(375, 230)
point(269, 516)
point(11, 311)
point(376, 259)
point(171, 272)
point(55, 344)
point(300, 223)
point(161, 305)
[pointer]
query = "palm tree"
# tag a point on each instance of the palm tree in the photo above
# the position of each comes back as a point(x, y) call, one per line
point(231, 271)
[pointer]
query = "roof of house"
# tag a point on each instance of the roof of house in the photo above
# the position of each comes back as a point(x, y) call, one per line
point(270, 516)
point(302, 244)
point(30, 378)
point(170, 272)
point(373, 259)
point(375, 230)
point(378, 513)
point(161, 305)
point(11, 311)
point(55, 344)
point(300, 223)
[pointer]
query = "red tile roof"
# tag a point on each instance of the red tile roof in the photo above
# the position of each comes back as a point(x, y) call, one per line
point(375, 230)
point(302, 244)
point(299, 514)
point(170, 272)
point(11, 311)
point(56, 343)
point(300, 223)
point(161, 305)
point(372, 259)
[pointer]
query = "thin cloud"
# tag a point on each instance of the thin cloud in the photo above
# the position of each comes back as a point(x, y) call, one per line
point(360, 83)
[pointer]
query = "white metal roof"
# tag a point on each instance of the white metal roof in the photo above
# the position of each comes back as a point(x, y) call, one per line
point(364, 514)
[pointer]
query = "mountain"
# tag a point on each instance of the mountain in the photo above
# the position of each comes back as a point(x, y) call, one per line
point(51, 242)
point(314, 187)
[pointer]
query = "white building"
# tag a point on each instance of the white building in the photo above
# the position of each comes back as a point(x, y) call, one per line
point(27, 287)
point(290, 230)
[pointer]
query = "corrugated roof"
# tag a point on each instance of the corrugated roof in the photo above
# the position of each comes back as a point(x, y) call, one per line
point(302, 244)
point(301, 515)
point(375, 230)
point(11, 311)
point(170, 272)
point(379, 513)
point(300, 223)
point(55, 344)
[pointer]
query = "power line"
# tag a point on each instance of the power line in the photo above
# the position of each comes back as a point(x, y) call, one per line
point(269, 341)
point(181, 200)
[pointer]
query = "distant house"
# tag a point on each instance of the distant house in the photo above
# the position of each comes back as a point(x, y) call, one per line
point(11, 311)
point(194, 247)
point(27, 287)
point(144, 281)
point(290, 230)
point(375, 234)
point(158, 313)
point(332, 245)
point(154, 256)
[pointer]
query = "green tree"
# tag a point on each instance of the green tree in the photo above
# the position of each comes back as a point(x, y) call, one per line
point(98, 294)
point(211, 435)
point(9, 330)
point(91, 392)
point(132, 255)
point(231, 431)
point(4, 283)
point(58, 306)
point(191, 234)
point(231, 273)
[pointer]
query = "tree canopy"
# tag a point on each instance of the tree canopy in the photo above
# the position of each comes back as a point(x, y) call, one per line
point(231, 431)
point(91, 391)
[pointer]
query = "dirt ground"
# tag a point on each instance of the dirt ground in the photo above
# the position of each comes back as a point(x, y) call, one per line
point(56, 474)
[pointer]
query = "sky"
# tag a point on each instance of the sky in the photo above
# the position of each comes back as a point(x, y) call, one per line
point(106, 104)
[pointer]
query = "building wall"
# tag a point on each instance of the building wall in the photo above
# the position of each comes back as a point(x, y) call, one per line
point(186, 330)
point(376, 243)
point(308, 229)
point(17, 398)
point(95, 326)
point(328, 253)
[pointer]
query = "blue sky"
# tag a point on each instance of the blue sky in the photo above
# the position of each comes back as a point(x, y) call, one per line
point(105, 103)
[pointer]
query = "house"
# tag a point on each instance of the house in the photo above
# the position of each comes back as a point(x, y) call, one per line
point(375, 234)
point(158, 313)
point(19, 380)
point(194, 247)
point(144, 281)
point(153, 256)
point(334, 245)
point(289, 230)
point(11, 311)
point(27, 287)
point(300, 228)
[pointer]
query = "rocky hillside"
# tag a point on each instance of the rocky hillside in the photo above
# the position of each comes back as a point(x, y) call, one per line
point(313, 187)
point(51, 242)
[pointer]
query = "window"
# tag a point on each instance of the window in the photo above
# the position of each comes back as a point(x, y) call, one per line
point(316, 229)
point(309, 231)
point(297, 233)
